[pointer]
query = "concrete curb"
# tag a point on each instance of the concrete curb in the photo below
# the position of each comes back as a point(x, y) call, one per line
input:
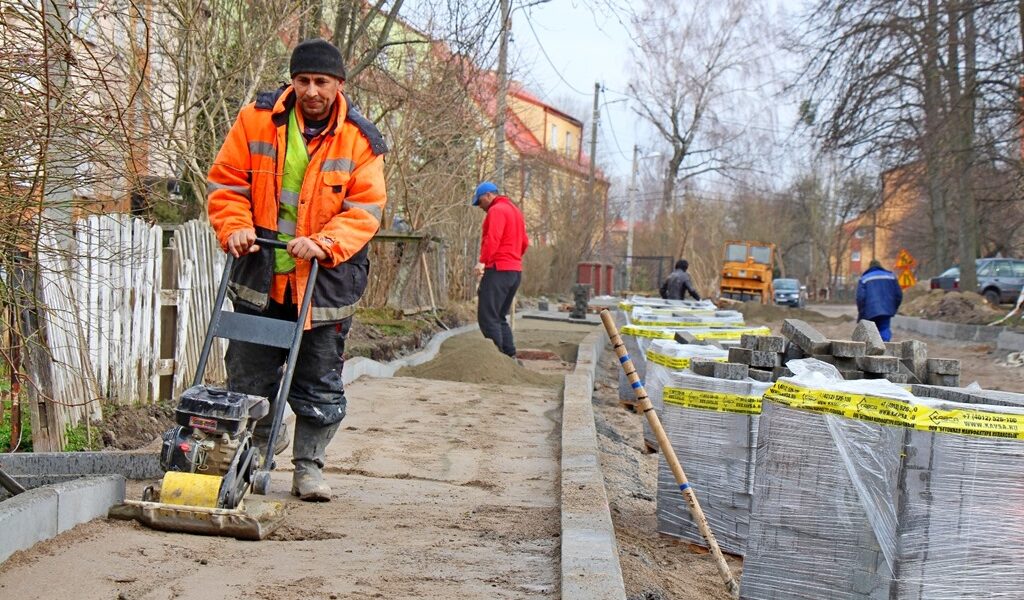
point(1003, 338)
point(42, 513)
point(62, 466)
point(590, 319)
point(590, 555)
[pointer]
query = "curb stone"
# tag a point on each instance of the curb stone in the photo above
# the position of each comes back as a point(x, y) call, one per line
point(590, 554)
point(42, 513)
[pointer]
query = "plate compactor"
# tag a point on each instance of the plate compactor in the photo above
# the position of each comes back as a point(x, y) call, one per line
point(209, 457)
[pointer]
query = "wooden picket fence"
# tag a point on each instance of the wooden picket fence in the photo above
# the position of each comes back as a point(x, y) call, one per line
point(120, 310)
point(102, 311)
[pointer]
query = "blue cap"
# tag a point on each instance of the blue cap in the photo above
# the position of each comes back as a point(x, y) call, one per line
point(483, 188)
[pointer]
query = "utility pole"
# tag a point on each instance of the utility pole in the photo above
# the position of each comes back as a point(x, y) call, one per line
point(57, 169)
point(631, 192)
point(499, 125)
point(593, 166)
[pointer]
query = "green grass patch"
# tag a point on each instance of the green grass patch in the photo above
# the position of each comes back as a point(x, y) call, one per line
point(77, 439)
point(26, 429)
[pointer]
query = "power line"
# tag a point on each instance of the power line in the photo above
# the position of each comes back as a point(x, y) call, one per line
point(548, 58)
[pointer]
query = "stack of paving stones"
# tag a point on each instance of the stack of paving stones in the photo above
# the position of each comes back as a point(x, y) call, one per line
point(716, 449)
point(864, 356)
point(968, 395)
point(850, 510)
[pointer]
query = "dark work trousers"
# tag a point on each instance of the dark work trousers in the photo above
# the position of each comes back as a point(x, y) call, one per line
point(884, 328)
point(494, 300)
point(318, 392)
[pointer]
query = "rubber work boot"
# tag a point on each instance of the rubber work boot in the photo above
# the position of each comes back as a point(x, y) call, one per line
point(308, 457)
point(260, 435)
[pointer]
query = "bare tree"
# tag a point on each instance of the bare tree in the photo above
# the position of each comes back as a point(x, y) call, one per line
point(689, 60)
point(928, 80)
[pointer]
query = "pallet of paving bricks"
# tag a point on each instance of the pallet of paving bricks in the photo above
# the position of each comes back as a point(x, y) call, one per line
point(863, 356)
point(712, 424)
point(659, 303)
point(865, 491)
point(638, 338)
point(684, 318)
point(676, 357)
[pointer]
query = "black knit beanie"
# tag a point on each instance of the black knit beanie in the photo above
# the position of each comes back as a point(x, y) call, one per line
point(317, 56)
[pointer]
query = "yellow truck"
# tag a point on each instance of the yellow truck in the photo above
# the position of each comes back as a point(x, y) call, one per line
point(747, 271)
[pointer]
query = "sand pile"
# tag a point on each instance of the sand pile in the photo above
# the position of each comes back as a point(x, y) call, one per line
point(471, 358)
point(755, 313)
point(565, 344)
point(953, 307)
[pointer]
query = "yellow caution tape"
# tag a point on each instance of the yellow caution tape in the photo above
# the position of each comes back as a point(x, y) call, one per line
point(716, 401)
point(730, 334)
point(676, 362)
point(668, 334)
point(659, 334)
point(898, 413)
point(687, 324)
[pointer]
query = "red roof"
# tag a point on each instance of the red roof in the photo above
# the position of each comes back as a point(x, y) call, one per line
point(484, 87)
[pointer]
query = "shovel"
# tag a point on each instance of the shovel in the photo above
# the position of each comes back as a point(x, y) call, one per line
point(644, 404)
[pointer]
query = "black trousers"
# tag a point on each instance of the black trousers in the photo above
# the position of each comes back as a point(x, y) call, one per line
point(494, 300)
point(317, 392)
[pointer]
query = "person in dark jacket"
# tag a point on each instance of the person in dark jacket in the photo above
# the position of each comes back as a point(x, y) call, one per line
point(679, 283)
point(878, 297)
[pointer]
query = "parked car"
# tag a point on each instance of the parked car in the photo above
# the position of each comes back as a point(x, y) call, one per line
point(789, 292)
point(999, 279)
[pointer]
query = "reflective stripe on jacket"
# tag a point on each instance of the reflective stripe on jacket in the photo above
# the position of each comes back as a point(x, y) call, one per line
point(878, 294)
point(340, 206)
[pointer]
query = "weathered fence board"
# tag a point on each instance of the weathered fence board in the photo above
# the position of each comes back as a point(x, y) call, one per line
point(99, 310)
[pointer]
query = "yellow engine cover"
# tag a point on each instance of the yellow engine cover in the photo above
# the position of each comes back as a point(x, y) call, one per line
point(190, 489)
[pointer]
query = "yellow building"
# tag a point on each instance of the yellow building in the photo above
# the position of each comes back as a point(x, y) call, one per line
point(897, 222)
point(547, 173)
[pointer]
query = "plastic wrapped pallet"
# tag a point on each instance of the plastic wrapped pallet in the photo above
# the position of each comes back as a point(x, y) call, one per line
point(648, 301)
point(675, 357)
point(685, 317)
point(712, 424)
point(864, 491)
point(638, 339)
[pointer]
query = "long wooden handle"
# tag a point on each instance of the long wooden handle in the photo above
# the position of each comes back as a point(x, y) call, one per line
point(669, 453)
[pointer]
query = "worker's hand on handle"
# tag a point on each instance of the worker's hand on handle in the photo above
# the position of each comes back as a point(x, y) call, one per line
point(306, 249)
point(479, 270)
point(242, 242)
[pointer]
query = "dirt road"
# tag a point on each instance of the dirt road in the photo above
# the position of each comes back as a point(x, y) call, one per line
point(442, 489)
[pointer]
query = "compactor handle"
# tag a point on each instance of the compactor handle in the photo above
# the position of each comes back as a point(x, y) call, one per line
point(271, 243)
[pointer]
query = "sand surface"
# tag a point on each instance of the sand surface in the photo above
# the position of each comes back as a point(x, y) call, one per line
point(441, 490)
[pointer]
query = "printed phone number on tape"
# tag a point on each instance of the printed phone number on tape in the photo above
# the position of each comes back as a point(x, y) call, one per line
point(716, 401)
point(898, 413)
point(668, 334)
point(676, 362)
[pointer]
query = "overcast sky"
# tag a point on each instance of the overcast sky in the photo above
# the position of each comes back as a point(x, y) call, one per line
point(561, 49)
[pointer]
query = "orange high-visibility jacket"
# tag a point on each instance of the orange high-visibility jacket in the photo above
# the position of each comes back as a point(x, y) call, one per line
point(340, 206)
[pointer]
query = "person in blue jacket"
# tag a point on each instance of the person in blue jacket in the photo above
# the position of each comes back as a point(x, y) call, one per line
point(878, 297)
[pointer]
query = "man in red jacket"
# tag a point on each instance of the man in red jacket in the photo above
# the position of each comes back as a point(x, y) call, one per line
point(500, 267)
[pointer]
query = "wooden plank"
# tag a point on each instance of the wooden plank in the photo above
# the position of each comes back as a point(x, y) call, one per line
point(169, 305)
point(156, 244)
point(165, 366)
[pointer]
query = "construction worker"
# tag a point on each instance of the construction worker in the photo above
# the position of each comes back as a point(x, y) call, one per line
point(302, 166)
point(878, 298)
point(500, 267)
point(679, 283)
